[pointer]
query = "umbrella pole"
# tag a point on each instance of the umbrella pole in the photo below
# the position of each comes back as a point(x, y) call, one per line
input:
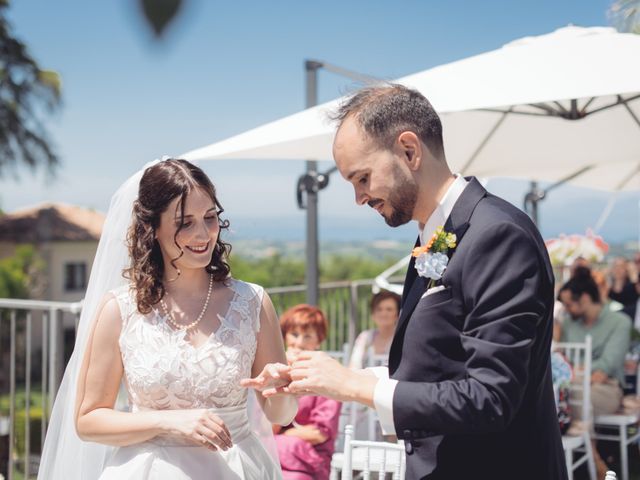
point(531, 200)
point(312, 274)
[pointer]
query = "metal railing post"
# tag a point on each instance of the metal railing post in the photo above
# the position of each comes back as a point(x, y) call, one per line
point(27, 400)
point(12, 393)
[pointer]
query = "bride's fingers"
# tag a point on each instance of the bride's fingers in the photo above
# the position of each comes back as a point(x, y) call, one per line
point(256, 382)
point(276, 391)
point(220, 429)
point(213, 438)
point(202, 439)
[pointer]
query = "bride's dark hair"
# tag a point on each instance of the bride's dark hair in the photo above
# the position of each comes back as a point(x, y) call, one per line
point(159, 186)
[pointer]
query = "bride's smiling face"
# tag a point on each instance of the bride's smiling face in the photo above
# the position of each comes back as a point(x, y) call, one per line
point(195, 241)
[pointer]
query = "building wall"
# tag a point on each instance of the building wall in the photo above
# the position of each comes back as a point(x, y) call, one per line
point(58, 255)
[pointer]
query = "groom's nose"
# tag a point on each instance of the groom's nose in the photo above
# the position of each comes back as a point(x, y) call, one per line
point(361, 198)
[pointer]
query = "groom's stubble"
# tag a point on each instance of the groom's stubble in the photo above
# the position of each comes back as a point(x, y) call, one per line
point(402, 199)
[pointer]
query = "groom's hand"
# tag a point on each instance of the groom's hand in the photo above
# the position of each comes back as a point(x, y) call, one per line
point(318, 373)
point(273, 376)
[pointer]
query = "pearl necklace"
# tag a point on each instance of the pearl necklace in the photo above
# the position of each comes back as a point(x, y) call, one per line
point(188, 326)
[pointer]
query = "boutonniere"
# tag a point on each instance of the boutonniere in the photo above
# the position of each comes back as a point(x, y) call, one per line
point(432, 259)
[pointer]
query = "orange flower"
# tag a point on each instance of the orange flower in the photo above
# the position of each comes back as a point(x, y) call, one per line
point(434, 237)
point(420, 250)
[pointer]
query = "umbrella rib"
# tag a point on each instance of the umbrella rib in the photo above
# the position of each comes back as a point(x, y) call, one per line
point(609, 207)
point(485, 141)
point(358, 77)
point(563, 111)
point(568, 177)
point(619, 100)
point(628, 108)
point(583, 110)
point(549, 112)
point(542, 106)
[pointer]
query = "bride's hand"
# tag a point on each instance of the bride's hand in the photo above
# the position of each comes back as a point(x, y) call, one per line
point(273, 377)
point(200, 427)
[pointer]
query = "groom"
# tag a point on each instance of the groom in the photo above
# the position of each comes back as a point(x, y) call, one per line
point(468, 387)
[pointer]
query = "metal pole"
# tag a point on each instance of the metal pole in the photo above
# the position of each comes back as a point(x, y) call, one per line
point(12, 394)
point(311, 68)
point(534, 202)
point(54, 363)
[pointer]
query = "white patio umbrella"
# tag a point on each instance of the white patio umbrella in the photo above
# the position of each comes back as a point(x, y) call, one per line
point(505, 112)
point(564, 105)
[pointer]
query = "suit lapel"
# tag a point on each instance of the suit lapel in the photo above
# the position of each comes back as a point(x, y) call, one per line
point(414, 287)
point(410, 276)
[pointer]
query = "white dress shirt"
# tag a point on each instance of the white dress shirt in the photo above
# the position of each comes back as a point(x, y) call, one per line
point(385, 387)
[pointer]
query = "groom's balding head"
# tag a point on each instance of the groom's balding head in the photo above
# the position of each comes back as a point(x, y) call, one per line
point(384, 112)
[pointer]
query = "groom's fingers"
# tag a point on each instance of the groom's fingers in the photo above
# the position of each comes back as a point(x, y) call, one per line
point(299, 373)
point(307, 355)
point(300, 386)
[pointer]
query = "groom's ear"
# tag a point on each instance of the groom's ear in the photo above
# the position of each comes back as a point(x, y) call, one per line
point(411, 149)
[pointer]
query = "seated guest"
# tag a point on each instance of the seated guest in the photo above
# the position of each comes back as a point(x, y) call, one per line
point(305, 447)
point(622, 289)
point(610, 333)
point(384, 308)
point(604, 286)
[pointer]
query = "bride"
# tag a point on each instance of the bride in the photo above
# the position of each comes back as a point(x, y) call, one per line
point(181, 333)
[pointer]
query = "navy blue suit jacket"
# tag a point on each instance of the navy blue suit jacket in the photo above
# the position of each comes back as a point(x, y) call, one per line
point(474, 398)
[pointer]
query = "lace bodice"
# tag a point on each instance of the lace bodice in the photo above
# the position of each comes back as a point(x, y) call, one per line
point(164, 371)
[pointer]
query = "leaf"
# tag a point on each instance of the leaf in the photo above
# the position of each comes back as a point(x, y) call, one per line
point(52, 80)
point(160, 13)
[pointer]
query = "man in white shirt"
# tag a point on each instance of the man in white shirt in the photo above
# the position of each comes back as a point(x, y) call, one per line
point(468, 387)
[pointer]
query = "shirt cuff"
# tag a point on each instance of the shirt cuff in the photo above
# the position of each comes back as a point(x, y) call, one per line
point(383, 401)
point(379, 372)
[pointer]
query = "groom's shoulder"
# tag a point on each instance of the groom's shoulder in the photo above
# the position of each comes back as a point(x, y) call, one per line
point(495, 219)
point(493, 209)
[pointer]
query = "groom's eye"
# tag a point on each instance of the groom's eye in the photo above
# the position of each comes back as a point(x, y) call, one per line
point(363, 180)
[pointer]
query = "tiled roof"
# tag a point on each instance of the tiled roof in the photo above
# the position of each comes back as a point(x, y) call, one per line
point(51, 222)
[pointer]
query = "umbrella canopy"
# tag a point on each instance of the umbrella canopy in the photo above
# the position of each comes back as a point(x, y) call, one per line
point(564, 104)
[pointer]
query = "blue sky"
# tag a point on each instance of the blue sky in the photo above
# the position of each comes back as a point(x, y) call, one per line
point(225, 67)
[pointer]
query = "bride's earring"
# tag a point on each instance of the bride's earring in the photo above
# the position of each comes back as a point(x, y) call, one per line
point(177, 276)
point(178, 271)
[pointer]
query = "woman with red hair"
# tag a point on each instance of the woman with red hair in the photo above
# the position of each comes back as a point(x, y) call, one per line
point(306, 445)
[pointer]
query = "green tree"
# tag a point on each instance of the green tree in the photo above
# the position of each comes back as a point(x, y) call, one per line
point(279, 271)
point(25, 91)
point(341, 267)
point(21, 273)
point(625, 15)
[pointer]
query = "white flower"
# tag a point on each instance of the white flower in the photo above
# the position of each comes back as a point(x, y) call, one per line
point(431, 265)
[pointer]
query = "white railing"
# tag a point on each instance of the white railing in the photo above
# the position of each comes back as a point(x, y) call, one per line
point(33, 356)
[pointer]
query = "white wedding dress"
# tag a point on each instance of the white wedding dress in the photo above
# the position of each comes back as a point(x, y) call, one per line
point(164, 371)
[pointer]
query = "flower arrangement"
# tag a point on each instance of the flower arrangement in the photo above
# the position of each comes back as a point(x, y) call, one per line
point(432, 258)
point(565, 249)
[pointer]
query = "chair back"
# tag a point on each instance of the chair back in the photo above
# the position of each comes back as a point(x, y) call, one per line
point(368, 457)
point(579, 356)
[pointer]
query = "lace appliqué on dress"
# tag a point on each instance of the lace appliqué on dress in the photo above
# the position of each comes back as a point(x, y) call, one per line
point(164, 371)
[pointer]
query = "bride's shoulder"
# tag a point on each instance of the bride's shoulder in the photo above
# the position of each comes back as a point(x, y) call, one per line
point(245, 289)
point(124, 295)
